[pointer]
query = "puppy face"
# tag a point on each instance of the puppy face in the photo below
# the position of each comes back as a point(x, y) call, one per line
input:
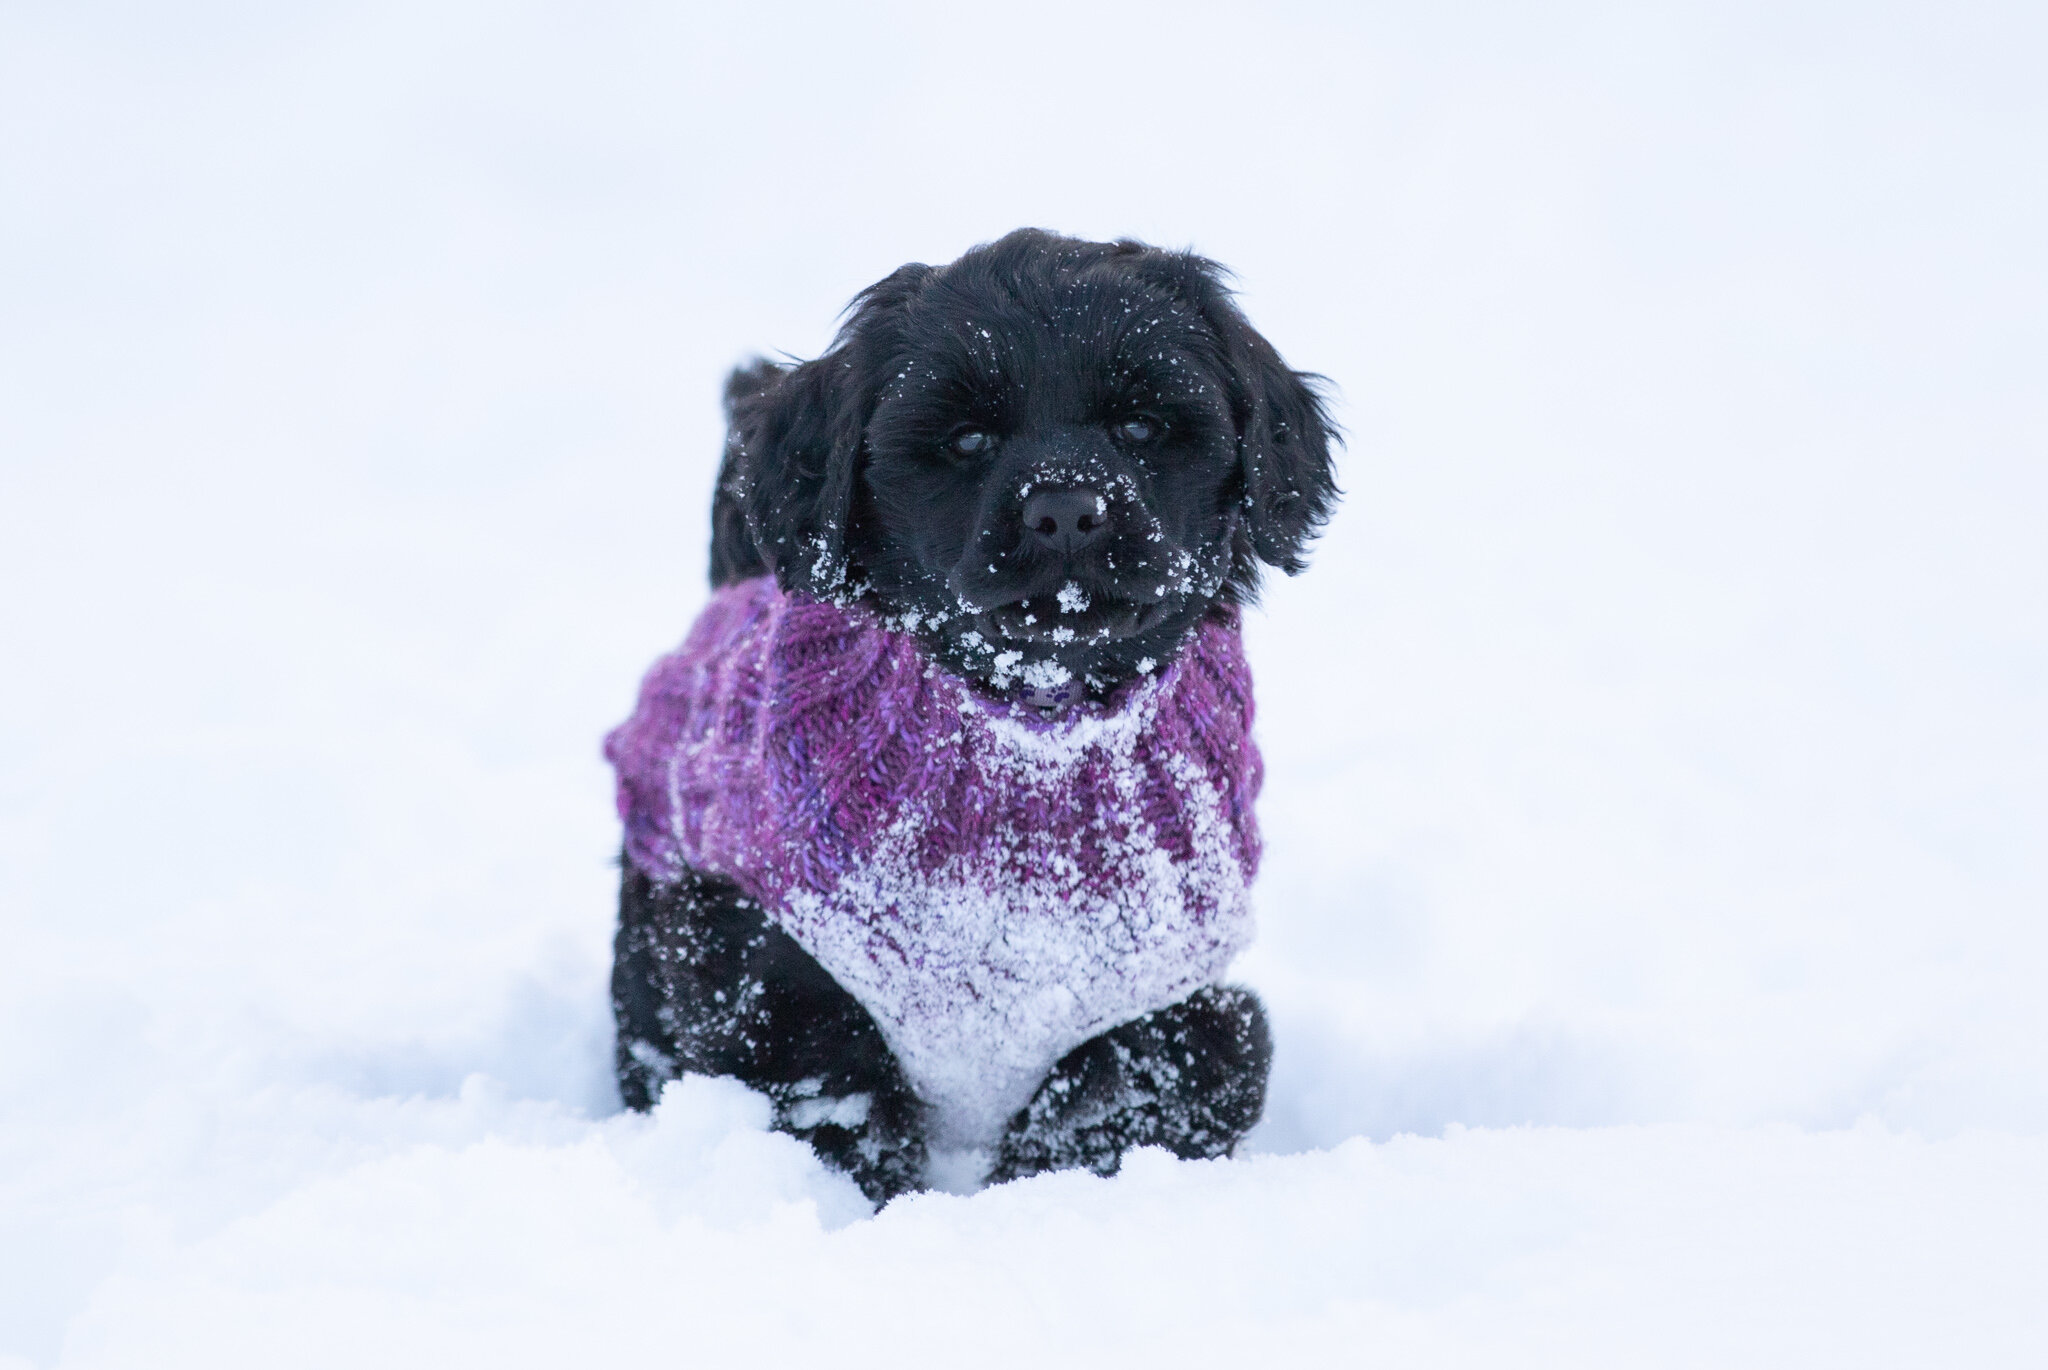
point(1049, 460)
point(1061, 466)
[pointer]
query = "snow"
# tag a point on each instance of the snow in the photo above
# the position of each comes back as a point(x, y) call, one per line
point(1651, 911)
point(691, 1238)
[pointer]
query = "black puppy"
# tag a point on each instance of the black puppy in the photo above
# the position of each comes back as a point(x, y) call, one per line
point(1049, 462)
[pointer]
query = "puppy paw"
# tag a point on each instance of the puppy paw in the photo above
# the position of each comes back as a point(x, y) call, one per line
point(875, 1136)
point(1190, 1078)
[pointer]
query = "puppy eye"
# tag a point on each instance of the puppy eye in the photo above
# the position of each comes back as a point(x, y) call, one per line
point(970, 442)
point(1139, 428)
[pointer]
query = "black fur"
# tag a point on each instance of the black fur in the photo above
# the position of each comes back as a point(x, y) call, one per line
point(1140, 443)
point(703, 982)
point(1190, 1078)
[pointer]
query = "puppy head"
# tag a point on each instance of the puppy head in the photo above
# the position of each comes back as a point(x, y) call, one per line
point(1051, 456)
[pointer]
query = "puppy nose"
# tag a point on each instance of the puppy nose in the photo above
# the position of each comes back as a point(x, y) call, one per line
point(1066, 520)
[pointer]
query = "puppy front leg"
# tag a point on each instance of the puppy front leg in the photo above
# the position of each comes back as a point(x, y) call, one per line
point(1190, 1077)
point(703, 981)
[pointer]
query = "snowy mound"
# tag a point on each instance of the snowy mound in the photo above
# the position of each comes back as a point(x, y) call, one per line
point(527, 1239)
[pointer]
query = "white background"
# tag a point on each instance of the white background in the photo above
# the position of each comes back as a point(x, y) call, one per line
point(1658, 746)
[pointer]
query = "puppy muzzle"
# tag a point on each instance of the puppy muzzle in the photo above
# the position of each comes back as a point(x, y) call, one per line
point(1067, 551)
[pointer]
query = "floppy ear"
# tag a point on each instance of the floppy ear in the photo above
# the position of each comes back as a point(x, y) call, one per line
point(790, 457)
point(1284, 449)
point(1283, 426)
point(795, 443)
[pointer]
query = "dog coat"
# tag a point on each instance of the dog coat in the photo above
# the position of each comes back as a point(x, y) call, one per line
point(994, 886)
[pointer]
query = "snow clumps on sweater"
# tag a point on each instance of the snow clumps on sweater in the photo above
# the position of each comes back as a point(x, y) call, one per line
point(993, 885)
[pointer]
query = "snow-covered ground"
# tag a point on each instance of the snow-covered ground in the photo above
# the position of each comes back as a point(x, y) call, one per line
point(1655, 916)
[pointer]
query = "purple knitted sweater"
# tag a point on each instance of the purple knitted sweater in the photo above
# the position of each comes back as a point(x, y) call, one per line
point(993, 886)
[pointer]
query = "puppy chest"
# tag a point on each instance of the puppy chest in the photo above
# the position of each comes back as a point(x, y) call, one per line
point(984, 970)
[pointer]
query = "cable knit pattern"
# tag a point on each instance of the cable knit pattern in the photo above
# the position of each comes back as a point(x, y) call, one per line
point(995, 887)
